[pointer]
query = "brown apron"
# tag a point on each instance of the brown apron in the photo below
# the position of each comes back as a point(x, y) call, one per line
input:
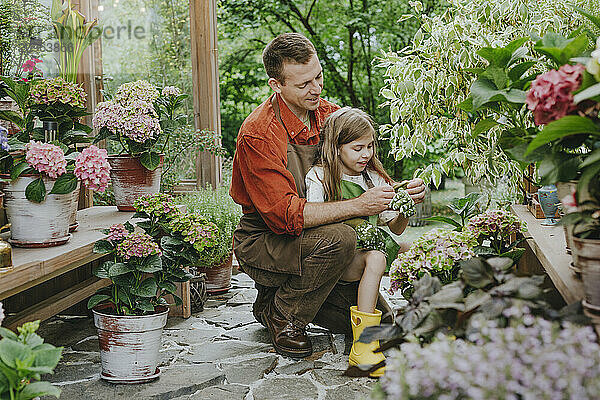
point(254, 243)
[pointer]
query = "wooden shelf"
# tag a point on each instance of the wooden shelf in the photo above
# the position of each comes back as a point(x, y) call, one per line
point(34, 266)
point(548, 245)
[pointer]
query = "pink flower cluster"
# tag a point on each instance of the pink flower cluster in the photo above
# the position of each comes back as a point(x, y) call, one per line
point(117, 233)
point(434, 252)
point(551, 94)
point(137, 245)
point(93, 169)
point(138, 90)
point(171, 91)
point(496, 224)
point(30, 65)
point(46, 158)
point(57, 90)
point(137, 121)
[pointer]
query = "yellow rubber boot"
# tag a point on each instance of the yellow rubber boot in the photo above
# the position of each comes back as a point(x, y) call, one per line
point(362, 353)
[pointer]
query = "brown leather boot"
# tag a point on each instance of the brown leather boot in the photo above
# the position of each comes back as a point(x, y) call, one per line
point(287, 339)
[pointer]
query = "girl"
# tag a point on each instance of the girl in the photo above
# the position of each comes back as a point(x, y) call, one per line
point(346, 166)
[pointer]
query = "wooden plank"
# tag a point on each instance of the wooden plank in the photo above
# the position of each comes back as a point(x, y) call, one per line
point(57, 303)
point(205, 84)
point(33, 266)
point(548, 245)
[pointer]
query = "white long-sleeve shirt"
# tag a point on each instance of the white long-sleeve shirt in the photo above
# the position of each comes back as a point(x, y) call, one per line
point(315, 191)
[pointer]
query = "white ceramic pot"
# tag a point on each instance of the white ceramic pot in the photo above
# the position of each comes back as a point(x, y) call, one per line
point(129, 345)
point(33, 224)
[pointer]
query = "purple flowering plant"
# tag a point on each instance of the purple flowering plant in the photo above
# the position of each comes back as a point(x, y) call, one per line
point(146, 264)
point(140, 119)
point(496, 231)
point(532, 358)
point(437, 253)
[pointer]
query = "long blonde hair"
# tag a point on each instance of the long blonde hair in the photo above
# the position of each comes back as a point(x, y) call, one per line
point(344, 126)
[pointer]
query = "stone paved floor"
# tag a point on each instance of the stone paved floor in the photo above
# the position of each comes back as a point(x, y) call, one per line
point(220, 353)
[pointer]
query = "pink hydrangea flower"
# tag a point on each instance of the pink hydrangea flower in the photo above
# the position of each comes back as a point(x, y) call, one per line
point(46, 158)
point(137, 121)
point(137, 245)
point(171, 91)
point(117, 233)
point(92, 168)
point(551, 94)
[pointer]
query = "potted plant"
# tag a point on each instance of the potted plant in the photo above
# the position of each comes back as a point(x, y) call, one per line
point(496, 232)
point(219, 208)
point(59, 105)
point(143, 267)
point(138, 120)
point(23, 359)
point(436, 252)
point(40, 186)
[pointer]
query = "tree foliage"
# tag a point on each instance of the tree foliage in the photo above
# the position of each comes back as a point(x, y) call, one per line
point(347, 34)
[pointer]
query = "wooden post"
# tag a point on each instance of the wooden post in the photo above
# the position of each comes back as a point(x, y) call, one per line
point(90, 76)
point(205, 83)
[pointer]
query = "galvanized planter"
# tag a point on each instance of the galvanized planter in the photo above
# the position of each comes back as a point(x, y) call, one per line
point(218, 277)
point(42, 224)
point(130, 180)
point(129, 345)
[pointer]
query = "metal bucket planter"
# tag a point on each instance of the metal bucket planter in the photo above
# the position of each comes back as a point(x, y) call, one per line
point(586, 258)
point(129, 345)
point(218, 277)
point(130, 180)
point(42, 224)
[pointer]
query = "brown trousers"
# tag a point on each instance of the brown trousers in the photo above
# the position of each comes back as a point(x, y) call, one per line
point(316, 295)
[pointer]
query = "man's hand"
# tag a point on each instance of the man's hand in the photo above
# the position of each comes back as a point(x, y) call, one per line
point(416, 189)
point(376, 200)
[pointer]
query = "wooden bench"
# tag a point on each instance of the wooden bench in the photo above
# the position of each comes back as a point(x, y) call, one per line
point(547, 244)
point(35, 266)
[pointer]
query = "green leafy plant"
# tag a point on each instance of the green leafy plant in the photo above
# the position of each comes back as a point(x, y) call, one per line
point(219, 208)
point(145, 266)
point(429, 80)
point(47, 99)
point(464, 208)
point(23, 359)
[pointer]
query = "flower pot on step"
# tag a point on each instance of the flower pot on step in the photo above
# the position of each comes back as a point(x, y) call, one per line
point(129, 344)
point(218, 277)
point(33, 224)
point(130, 180)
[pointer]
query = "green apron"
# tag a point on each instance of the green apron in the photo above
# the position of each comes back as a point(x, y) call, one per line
point(351, 190)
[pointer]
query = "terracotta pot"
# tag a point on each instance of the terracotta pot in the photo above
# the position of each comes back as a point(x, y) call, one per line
point(130, 180)
point(129, 345)
point(42, 224)
point(218, 277)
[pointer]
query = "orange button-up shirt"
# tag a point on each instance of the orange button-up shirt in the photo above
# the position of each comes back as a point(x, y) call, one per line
point(260, 181)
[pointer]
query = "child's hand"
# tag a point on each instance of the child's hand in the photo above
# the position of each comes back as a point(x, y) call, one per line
point(416, 189)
